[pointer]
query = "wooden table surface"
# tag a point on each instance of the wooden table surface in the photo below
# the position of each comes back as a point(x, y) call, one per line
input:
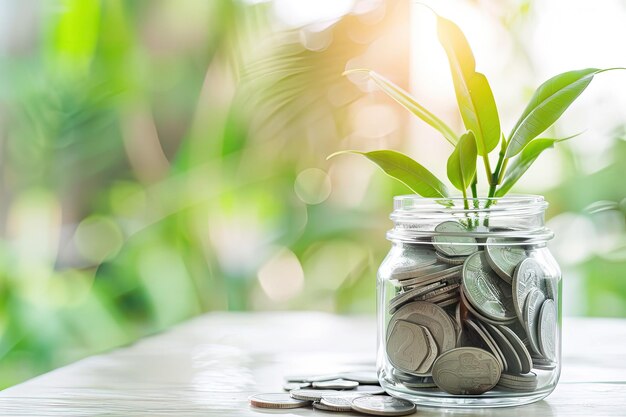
point(210, 365)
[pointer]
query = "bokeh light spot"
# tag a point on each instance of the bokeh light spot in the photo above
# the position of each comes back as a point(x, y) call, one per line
point(312, 186)
point(282, 277)
point(98, 238)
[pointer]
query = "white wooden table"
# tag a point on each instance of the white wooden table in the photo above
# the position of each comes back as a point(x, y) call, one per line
point(210, 365)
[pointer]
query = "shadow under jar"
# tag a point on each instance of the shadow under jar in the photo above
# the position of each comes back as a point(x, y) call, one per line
point(469, 303)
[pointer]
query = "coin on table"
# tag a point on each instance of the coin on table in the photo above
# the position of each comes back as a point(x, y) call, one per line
point(337, 403)
point(310, 394)
point(485, 290)
point(311, 378)
point(466, 371)
point(383, 405)
point(411, 347)
point(369, 389)
point(412, 261)
point(433, 318)
point(532, 309)
point(288, 386)
point(547, 330)
point(504, 258)
point(277, 400)
point(454, 244)
point(336, 384)
point(362, 377)
point(319, 406)
point(520, 348)
point(527, 276)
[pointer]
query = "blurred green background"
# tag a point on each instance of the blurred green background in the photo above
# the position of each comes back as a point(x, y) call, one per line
point(161, 159)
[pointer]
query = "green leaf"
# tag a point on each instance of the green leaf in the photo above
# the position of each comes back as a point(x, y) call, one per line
point(462, 162)
point(409, 103)
point(525, 159)
point(548, 103)
point(473, 93)
point(406, 170)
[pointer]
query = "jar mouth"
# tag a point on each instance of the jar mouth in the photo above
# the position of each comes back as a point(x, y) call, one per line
point(414, 202)
point(513, 216)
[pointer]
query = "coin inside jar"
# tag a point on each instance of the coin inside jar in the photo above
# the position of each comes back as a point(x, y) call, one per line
point(466, 371)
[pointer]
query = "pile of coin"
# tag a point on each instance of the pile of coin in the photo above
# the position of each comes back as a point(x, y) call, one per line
point(470, 315)
point(344, 392)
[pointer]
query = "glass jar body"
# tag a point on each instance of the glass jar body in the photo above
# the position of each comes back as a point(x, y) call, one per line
point(469, 304)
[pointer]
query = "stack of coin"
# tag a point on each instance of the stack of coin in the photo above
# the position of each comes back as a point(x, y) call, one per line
point(354, 391)
point(485, 301)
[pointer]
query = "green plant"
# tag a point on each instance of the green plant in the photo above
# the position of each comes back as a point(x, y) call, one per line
point(480, 117)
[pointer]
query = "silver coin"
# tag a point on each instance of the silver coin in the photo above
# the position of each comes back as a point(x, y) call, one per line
point(319, 406)
point(499, 353)
point(450, 271)
point(419, 272)
point(310, 394)
point(362, 377)
point(404, 297)
point(277, 400)
point(528, 377)
point(547, 330)
point(288, 386)
point(504, 258)
point(521, 350)
point(432, 317)
point(504, 385)
point(451, 289)
point(336, 404)
point(466, 305)
point(335, 384)
point(485, 290)
point(455, 244)
point(369, 389)
point(514, 363)
point(311, 378)
point(413, 259)
point(543, 364)
point(420, 385)
point(448, 303)
point(451, 260)
point(466, 371)
point(532, 308)
point(383, 405)
point(411, 347)
point(527, 276)
point(523, 382)
point(488, 342)
point(551, 287)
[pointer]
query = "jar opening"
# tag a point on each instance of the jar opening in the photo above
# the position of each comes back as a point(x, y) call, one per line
point(510, 218)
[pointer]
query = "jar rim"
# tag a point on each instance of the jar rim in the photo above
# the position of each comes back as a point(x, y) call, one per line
point(415, 216)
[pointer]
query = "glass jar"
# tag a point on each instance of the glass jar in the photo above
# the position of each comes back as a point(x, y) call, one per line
point(469, 303)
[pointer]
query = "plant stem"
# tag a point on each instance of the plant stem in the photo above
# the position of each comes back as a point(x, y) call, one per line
point(474, 188)
point(501, 174)
point(488, 168)
point(465, 202)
